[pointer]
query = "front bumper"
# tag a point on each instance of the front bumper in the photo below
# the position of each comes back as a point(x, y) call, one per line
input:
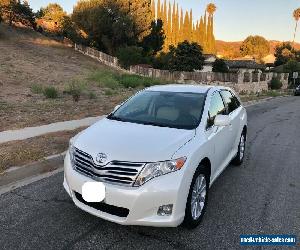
point(142, 202)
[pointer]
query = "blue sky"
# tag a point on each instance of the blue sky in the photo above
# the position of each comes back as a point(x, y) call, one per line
point(234, 19)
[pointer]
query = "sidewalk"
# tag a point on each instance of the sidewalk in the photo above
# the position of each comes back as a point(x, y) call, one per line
point(26, 133)
point(22, 134)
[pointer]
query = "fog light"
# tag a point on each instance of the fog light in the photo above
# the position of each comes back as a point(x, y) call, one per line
point(165, 210)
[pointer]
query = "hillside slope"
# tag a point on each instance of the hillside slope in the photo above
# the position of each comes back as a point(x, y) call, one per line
point(30, 59)
point(232, 49)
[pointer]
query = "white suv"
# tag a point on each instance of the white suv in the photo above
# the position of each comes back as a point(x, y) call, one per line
point(157, 155)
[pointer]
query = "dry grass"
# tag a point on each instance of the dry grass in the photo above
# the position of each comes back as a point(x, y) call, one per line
point(29, 59)
point(19, 153)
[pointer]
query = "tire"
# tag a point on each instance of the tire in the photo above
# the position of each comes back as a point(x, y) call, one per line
point(193, 219)
point(238, 160)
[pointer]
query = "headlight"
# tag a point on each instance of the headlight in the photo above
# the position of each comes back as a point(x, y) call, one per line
point(72, 152)
point(152, 170)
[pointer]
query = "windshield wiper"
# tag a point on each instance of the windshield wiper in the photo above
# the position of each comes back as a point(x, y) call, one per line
point(115, 118)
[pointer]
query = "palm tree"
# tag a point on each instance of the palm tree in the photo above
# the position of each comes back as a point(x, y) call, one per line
point(211, 9)
point(296, 15)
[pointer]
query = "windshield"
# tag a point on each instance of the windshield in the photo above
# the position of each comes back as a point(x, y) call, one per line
point(165, 109)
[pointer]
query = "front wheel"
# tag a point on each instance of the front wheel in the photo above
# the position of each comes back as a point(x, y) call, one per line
point(238, 160)
point(197, 198)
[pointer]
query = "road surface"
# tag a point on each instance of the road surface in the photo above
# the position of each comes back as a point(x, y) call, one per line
point(262, 196)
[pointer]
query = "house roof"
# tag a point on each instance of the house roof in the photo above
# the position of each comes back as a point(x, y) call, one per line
point(245, 64)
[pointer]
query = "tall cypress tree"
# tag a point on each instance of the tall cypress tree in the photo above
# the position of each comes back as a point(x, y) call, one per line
point(186, 26)
point(170, 41)
point(153, 12)
point(191, 26)
point(173, 34)
point(201, 32)
point(181, 35)
point(158, 9)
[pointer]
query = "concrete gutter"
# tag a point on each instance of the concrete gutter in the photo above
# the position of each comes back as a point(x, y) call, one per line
point(26, 133)
point(16, 174)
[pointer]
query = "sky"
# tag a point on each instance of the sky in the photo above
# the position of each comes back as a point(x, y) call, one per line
point(234, 19)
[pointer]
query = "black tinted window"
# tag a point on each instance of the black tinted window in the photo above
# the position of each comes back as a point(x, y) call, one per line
point(164, 109)
point(216, 108)
point(231, 101)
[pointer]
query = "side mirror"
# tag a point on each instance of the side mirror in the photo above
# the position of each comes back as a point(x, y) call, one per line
point(222, 121)
point(118, 106)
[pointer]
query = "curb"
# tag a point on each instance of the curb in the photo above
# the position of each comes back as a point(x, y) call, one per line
point(16, 174)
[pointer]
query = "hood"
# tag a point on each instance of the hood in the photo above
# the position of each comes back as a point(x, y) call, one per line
point(123, 141)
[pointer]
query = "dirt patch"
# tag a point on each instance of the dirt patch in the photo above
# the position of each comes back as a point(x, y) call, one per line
point(19, 153)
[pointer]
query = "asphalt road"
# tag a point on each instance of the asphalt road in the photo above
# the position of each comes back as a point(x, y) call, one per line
point(262, 196)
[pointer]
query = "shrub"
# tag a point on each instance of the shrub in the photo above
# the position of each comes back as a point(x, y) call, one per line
point(108, 92)
point(134, 81)
point(92, 95)
point(50, 92)
point(162, 61)
point(275, 84)
point(131, 55)
point(37, 89)
point(75, 89)
point(186, 57)
point(220, 66)
point(105, 78)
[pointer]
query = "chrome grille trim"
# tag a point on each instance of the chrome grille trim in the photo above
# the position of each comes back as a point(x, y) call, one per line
point(115, 172)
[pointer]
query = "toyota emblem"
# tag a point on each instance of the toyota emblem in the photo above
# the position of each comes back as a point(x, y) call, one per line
point(101, 158)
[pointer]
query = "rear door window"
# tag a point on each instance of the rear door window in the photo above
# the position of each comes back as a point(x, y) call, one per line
point(230, 100)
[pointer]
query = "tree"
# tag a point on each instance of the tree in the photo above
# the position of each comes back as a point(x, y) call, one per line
point(211, 43)
point(220, 66)
point(296, 15)
point(131, 55)
point(283, 53)
point(291, 66)
point(255, 46)
point(14, 11)
point(154, 42)
point(53, 12)
point(186, 57)
point(106, 23)
point(141, 14)
point(1, 19)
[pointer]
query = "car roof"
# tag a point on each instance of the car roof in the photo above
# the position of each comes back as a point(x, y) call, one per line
point(186, 88)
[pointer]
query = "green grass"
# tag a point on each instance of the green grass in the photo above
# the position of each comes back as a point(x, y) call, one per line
point(105, 78)
point(37, 89)
point(113, 80)
point(134, 81)
point(50, 92)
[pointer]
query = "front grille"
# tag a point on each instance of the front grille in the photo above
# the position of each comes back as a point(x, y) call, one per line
point(103, 207)
point(121, 173)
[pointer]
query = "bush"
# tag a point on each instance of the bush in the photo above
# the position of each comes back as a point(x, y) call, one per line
point(275, 84)
point(131, 55)
point(162, 61)
point(134, 81)
point(92, 95)
point(75, 89)
point(220, 66)
point(50, 92)
point(186, 57)
point(37, 89)
point(105, 78)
